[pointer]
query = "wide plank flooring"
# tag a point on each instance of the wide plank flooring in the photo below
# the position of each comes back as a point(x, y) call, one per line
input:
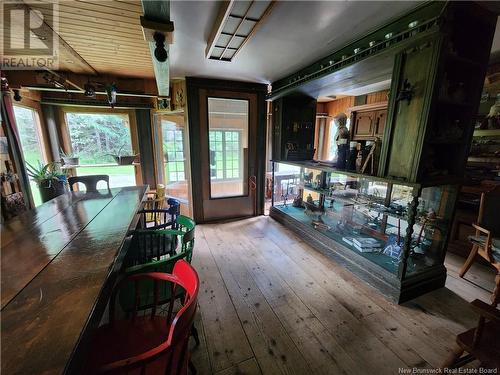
point(270, 304)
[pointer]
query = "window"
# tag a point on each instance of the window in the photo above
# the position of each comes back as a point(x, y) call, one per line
point(27, 122)
point(227, 142)
point(225, 158)
point(173, 148)
point(95, 138)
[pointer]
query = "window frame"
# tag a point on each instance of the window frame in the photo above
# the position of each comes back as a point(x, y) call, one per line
point(224, 151)
point(39, 130)
point(176, 141)
point(65, 137)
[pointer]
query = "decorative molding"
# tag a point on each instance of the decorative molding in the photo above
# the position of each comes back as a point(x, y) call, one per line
point(368, 107)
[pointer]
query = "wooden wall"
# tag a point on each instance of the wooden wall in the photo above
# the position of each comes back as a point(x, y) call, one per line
point(377, 97)
point(337, 106)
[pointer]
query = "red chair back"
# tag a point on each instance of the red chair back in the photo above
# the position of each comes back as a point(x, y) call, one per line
point(170, 356)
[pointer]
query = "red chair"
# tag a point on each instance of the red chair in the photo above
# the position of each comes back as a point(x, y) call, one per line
point(155, 343)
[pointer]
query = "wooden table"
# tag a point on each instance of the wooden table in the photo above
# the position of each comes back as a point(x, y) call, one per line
point(58, 264)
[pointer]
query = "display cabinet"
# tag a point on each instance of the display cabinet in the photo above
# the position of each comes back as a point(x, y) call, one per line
point(389, 233)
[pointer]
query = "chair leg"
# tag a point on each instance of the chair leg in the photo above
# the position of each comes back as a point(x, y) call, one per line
point(495, 298)
point(453, 358)
point(191, 367)
point(194, 333)
point(469, 261)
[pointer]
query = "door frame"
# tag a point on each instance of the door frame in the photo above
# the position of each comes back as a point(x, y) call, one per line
point(193, 87)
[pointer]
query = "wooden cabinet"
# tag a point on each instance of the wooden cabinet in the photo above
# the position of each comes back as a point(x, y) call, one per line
point(294, 122)
point(363, 126)
point(368, 121)
point(380, 118)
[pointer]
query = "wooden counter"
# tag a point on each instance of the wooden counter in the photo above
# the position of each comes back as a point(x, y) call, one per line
point(56, 264)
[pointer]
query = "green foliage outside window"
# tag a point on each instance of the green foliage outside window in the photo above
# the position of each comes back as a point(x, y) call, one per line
point(28, 134)
point(95, 136)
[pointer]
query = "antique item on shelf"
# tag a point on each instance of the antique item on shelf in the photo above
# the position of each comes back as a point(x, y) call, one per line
point(308, 178)
point(366, 244)
point(298, 201)
point(353, 154)
point(318, 224)
point(392, 248)
point(342, 140)
point(285, 198)
point(317, 181)
point(494, 116)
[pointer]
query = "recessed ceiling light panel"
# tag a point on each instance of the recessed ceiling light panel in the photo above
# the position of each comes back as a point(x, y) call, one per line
point(235, 24)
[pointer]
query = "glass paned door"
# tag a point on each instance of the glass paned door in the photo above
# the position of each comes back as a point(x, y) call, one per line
point(227, 164)
point(228, 147)
point(27, 122)
point(175, 176)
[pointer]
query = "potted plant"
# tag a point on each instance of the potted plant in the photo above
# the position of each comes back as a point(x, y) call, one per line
point(50, 180)
point(123, 159)
point(69, 158)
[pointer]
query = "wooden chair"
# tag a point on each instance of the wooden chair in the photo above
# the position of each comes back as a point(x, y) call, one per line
point(127, 296)
point(90, 182)
point(481, 343)
point(157, 341)
point(160, 218)
point(149, 245)
point(486, 241)
point(163, 264)
point(156, 198)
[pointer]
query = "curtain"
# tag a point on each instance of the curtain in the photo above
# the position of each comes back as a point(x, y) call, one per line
point(11, 132)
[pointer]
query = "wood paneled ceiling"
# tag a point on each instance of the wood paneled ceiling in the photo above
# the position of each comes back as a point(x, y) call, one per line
point(106, 34)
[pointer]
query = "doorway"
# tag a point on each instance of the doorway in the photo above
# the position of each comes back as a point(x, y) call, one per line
point(227, 127)
point(172, 157)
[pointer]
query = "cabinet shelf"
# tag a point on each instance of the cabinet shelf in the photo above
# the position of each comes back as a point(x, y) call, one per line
point(318, 165)
point(487, 133)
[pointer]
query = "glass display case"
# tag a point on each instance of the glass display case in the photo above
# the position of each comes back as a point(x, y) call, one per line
point(395, 231)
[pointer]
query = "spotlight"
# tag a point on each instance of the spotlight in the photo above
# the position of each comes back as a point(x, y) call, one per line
point(111, 93)
point(89, 90)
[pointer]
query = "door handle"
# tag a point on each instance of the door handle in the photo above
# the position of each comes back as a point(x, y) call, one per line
point(252, 182)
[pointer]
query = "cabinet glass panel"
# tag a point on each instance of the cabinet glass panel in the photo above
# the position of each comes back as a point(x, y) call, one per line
point(433, 217)
point(370, 216)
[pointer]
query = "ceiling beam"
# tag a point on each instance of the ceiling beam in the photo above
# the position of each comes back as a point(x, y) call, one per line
point(157, 19)
point(66, 52)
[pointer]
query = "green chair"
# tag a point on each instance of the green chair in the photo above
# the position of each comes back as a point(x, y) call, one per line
point(165, 263)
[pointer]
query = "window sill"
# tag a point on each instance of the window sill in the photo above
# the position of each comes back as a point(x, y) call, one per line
point(97, 165)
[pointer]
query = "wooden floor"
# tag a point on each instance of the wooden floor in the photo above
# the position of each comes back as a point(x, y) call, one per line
point(271, 304)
